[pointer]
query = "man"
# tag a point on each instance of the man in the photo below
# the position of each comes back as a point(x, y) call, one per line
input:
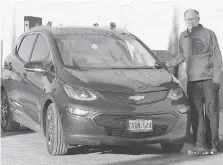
point(199, 48)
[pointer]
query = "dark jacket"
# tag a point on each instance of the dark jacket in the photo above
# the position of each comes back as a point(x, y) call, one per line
point(201, 52)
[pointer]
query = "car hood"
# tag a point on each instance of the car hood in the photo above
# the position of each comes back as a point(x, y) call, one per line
point(121, 80)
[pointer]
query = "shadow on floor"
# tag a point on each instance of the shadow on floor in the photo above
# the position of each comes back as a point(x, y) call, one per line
point(20, 131)
point(165, 159)
point(155, 155)
point(128, 150)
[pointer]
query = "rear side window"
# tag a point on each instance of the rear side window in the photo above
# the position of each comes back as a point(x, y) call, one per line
point(26, 47)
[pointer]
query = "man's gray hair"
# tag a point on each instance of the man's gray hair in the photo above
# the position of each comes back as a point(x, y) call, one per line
point(191, 10)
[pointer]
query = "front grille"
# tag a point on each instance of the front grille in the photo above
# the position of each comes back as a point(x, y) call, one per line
point(149, 97)
point(114, 125)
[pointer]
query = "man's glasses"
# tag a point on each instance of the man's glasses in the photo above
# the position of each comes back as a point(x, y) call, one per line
point(191, 19)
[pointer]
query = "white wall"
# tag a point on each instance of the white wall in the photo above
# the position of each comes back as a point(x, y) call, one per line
point(149, 20)
point(6, 25)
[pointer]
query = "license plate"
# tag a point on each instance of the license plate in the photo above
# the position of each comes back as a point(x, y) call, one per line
point(140, 125)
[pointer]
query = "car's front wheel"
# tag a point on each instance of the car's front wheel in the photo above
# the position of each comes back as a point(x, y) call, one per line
point(54, 133)
point(7, 122)
point(172, 147)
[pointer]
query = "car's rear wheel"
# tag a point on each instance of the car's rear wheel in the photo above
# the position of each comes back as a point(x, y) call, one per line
point(7, 122)
point(172, 147)
point(54, 133)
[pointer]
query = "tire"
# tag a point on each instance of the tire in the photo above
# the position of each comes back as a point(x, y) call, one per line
point(54, 133)
point(172, 147)
point(7, 122)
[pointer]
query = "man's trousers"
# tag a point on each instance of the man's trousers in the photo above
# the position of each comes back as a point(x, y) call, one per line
point(204, 114)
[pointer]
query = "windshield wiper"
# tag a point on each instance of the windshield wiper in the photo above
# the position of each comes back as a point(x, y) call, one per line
point(83, 68)
point(146, 67)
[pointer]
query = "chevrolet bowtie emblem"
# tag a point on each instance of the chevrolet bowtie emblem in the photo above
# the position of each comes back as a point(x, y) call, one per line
point(136, 97)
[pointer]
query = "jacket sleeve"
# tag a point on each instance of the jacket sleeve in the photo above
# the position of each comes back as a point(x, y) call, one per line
point(179, 58)
point(216, 58)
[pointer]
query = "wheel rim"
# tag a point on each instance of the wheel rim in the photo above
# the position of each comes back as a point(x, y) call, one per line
point(4, 110)
point(50, 130)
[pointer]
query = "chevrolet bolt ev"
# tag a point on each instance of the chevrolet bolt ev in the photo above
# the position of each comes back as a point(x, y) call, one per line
point(91, 86)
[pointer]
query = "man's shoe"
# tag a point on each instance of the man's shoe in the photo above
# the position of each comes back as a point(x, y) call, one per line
point(198, 152)
point(213, 151)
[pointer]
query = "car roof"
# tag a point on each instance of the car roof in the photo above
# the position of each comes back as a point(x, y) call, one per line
point(78, 30)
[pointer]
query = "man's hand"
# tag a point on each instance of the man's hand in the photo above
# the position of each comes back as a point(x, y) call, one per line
point(160, 64)
point(216, 86)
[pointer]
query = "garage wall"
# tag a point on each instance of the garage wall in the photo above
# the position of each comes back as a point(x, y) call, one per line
point(150, 20)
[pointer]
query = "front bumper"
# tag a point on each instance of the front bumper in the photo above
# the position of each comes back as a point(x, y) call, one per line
point(84, 130)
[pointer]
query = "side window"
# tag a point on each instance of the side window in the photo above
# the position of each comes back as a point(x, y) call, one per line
point(26, 46)
point(41, 52)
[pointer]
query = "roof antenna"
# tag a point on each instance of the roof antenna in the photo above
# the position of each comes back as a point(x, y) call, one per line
point(112, 25)
point(95, 24)
point(49, 23)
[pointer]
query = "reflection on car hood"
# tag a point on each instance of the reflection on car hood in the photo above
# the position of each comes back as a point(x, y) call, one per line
point(123, 80)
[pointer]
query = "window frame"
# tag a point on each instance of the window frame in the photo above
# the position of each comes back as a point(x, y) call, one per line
point(30, 58)
point(50, 51)
point(18, 45)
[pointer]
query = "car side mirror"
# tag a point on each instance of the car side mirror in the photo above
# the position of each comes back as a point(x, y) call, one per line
point(164, 56)
point(34, 66)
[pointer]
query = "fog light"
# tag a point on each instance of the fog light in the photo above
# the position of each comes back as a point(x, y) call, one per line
point(77, 111)
point(184, 110)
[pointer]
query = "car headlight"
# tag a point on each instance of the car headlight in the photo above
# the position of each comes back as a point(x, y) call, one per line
point(175, 93)
point(79, 93)
point(77, 111)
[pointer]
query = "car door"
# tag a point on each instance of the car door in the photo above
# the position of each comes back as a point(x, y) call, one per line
point(37, 81)
point(15, 82)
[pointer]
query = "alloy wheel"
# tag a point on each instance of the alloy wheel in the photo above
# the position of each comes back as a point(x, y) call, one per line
point(4, 110)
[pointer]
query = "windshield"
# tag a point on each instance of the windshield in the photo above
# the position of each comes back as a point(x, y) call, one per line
point(103, 51)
